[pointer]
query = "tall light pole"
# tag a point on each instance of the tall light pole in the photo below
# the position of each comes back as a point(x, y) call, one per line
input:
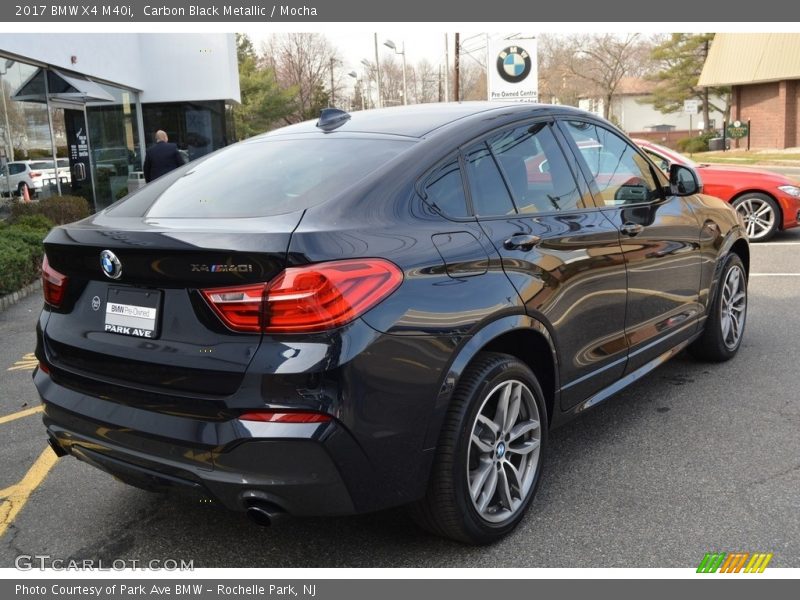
point(390, 44)
point(354, 75)
point(6, 66)
point(378, 72)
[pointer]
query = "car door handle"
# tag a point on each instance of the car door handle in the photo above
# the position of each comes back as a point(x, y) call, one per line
point(521, 241)
point(632, 229)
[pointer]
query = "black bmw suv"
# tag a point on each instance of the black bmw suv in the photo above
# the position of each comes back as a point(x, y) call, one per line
point(385, 308)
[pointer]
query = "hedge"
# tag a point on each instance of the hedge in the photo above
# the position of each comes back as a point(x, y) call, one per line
point(21, 253)
point(21, 238)
point(58, 209)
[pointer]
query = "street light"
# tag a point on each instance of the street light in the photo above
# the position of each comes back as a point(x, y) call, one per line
point(354, 75)
point(390, 44)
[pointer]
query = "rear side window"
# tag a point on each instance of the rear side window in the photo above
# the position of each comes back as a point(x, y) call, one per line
point(16, 169)
point(535, 169)
point(444, 190)
point(490, 197)
point(268, 177)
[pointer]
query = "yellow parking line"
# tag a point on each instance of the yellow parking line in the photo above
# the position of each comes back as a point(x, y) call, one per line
point(15, 497)
point(20, 414)
point(27, 363)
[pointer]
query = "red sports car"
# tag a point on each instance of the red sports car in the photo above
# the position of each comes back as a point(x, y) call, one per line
point(767, 201)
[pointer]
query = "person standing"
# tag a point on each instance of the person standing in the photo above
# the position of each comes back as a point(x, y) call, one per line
point(161, 158)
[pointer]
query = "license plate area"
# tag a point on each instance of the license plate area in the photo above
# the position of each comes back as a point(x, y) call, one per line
point(133, 311)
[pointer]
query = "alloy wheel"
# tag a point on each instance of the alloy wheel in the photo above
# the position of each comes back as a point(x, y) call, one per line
point(504, 451)
point(734, 307)
point(758, 215)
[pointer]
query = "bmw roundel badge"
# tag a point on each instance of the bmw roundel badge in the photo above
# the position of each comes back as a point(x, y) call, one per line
point(110, 264)
point(513, 64)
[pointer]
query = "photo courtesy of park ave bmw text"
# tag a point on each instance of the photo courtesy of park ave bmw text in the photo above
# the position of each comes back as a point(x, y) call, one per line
point(337, 287)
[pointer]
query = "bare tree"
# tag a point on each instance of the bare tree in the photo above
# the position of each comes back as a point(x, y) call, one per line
point(303, 62)
point(473, 81)
point(426, 82)
point(602, 60)
point(557, 82)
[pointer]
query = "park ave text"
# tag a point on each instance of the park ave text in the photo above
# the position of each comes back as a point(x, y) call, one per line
point(168, 589)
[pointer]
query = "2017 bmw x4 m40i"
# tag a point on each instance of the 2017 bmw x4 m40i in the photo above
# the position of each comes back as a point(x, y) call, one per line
point(380, 309)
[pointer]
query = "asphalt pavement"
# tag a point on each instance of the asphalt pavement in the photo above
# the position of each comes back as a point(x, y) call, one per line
point(694, 458)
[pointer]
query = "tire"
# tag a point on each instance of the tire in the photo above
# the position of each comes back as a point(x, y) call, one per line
point(761, 214)
point(724, 328)
point(512, 458)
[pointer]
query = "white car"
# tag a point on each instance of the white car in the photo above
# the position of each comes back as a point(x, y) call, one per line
point(33, 174)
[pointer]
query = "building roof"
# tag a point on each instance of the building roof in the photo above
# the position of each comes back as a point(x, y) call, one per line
point(742, 58)
point(627, 86)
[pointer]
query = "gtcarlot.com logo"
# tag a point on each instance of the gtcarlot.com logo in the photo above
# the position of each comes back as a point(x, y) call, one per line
point(30, 562)
point(734, 562)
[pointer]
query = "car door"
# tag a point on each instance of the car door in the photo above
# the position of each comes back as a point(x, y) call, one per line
point(560, 252)
point(660, 239)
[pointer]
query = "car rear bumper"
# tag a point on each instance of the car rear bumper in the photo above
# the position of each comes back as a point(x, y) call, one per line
point(293, 466)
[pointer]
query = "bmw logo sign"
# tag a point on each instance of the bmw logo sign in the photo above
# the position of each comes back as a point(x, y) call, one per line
point(110, 264)
point(513, 64)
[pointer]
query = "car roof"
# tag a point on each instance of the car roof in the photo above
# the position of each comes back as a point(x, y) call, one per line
point(419, 120)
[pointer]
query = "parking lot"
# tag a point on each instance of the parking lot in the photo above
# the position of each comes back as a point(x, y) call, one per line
point(695, 458)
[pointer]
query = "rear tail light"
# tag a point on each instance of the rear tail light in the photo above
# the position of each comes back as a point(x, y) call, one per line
point(305, 299)
point(35, 174)
point(54, 284)
point(285, 417)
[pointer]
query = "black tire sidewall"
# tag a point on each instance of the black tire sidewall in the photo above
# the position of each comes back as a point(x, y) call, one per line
point(479, 529)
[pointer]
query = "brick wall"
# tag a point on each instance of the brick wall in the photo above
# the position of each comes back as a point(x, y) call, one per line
point(772, 109)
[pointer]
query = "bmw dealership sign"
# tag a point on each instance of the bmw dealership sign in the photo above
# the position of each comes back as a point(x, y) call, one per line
point(513, 75)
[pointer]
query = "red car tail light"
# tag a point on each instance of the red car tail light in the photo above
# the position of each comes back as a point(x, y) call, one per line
point(309, 298)
point(285, 417)
point(35, 174)
point(240, 308)
point(54, 284)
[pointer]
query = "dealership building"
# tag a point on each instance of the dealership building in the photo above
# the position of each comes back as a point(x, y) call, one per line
point(763, 70)
point(96, 100)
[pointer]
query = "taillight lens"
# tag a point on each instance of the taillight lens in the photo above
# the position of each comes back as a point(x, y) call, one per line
point(240, 308)
point(35, 174)
point(305, 299)
point(54, 284)
point(285, 417)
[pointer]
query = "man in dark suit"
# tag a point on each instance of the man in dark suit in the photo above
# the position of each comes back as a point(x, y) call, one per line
point(161, 158)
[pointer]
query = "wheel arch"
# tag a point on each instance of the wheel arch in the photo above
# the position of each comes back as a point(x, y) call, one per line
point(524, 337)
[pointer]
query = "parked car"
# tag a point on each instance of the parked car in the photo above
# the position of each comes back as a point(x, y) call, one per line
point(767, 201)
point(379, 309)
point(33, 174)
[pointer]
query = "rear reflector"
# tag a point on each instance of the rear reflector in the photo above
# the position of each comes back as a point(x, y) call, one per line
point(310, 298)
point(284, 417)
point(54, 284)
point(43, 367)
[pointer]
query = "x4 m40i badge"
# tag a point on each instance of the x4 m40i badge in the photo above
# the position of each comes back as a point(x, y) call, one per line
point(734, 562)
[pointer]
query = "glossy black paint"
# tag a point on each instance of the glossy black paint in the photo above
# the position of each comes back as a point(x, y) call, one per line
point(590, 307)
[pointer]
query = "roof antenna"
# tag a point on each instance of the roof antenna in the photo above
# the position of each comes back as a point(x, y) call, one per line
point(331, 118)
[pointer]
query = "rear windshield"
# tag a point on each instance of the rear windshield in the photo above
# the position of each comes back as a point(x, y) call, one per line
point(42, 164)
point(271, 177)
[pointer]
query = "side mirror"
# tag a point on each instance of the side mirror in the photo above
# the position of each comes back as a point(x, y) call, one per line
point(684, 181)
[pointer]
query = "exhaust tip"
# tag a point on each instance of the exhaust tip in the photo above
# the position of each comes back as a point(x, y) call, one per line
point(259, 516)
point(263, 513)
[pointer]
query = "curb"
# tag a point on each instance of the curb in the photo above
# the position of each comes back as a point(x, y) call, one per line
point(14, 297)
